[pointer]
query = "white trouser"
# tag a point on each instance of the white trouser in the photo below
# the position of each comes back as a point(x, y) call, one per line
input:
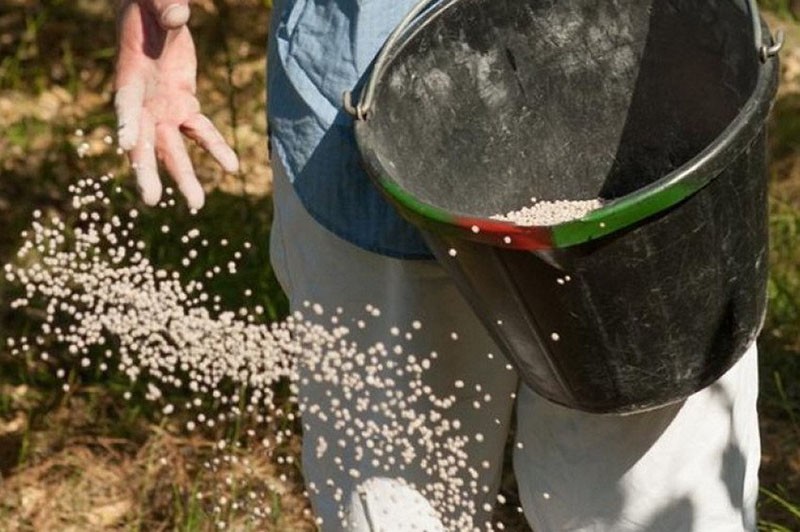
point(688, 467)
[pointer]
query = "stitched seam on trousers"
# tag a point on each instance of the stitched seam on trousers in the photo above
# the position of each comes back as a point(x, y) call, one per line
point(286, 200)
point(367, 516)
point(287, 268)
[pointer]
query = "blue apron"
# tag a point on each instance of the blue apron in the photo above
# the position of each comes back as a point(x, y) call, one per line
point(318, 50)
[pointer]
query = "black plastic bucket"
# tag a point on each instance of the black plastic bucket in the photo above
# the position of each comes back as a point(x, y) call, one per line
point(656, 106)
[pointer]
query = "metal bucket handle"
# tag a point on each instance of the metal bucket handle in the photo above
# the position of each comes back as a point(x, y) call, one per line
point(362, 109)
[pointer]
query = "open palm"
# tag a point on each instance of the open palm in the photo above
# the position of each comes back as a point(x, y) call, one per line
point(156, 102)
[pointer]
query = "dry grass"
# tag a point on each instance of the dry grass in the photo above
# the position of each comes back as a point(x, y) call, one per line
point(98, 486)
point(81, 470)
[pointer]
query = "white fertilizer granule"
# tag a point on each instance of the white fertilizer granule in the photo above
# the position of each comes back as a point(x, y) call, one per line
point(100, 302)
point(546, 213)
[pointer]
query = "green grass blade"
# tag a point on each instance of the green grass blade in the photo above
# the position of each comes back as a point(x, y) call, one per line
point(786, 505)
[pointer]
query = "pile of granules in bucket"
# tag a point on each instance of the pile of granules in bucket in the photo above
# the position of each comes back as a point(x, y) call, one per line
point(102, 304)
point(545, 213)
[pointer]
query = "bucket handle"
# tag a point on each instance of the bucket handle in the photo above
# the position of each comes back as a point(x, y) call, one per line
point(362, 109)
point(765, 51)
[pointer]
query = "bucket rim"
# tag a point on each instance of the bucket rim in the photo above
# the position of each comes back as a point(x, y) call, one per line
point(615, 215)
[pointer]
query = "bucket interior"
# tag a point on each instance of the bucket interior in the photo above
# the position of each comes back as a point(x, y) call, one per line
point(492, 102)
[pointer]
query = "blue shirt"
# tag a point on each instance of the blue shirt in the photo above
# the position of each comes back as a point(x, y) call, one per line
point(318, 50)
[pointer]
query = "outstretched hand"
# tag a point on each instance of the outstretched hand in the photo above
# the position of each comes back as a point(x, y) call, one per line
point(155, 98)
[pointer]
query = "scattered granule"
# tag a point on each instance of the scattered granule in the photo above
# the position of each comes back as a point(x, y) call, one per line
point(99, 301)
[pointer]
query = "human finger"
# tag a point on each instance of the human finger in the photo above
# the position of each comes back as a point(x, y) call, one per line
point(129, 102)
point(171, 14)
point(200, 129)
point(143, 161)
point(172, 151)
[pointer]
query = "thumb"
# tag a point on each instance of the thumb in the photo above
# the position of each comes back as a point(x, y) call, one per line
point(171, 14)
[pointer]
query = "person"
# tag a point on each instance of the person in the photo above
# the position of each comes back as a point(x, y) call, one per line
point(686, 467)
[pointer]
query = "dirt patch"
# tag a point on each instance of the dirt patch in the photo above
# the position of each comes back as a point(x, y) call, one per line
point(75, 489)
point(168, 482)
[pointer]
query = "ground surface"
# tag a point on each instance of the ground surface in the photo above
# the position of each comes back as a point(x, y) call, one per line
point(91, 460)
